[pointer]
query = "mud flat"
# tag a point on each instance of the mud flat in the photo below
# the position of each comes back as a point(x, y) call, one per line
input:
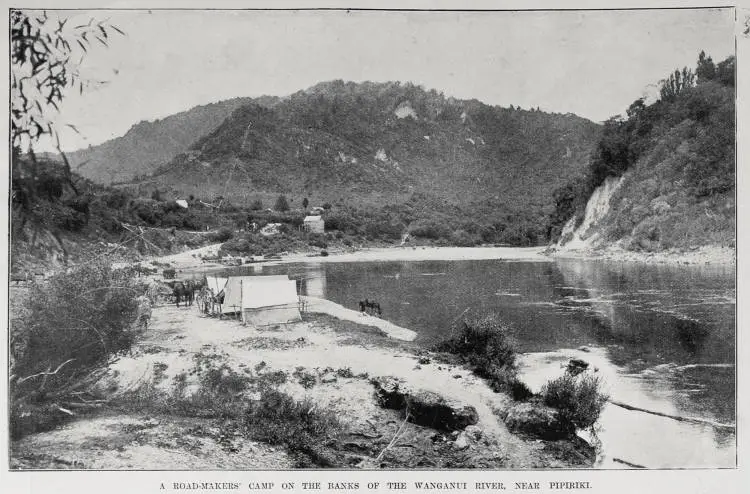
point(330, 361)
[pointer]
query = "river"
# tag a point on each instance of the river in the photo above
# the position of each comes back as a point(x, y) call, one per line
point(662, 337)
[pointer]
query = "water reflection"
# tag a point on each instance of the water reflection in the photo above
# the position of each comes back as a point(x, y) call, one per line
point(664, 335)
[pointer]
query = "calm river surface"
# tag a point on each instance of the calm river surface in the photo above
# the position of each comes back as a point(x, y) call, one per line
point(662, 337)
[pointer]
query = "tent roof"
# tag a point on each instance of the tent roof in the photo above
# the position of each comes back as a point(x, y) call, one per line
point(313, 218)
point(269, 293)
point(238, 286)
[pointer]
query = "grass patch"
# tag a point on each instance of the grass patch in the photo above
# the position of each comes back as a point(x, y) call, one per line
point(306, 379)
point(579, 399)
point(249, 404)
point(300, 426)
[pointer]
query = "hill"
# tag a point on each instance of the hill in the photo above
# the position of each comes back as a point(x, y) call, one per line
point(378, 145)
point(663, 178)
point(148, 145)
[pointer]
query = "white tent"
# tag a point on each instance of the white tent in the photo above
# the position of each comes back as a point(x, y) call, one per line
point(270, 300)
point(182, 203)
point(237, 285)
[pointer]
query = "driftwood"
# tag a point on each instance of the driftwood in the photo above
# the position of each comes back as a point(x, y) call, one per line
point(674, 417)
point(627, 463)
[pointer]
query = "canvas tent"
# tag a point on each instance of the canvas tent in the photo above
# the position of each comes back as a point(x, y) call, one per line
point(261, 299)
point(270, 300)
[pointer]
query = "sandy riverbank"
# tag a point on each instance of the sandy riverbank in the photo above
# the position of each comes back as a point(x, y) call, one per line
point(192, 259)
point(322, 358)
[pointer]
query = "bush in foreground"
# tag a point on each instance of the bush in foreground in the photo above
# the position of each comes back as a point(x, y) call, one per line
point(68, 327)
point(579, 399)
point(277, 418)
point(483, 343)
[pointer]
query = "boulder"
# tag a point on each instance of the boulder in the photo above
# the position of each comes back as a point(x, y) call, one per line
point(425, 407)
point(462, 442)
point(537, 420)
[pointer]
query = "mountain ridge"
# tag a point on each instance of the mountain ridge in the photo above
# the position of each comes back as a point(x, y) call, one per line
point(381, 143)
point(149, 144)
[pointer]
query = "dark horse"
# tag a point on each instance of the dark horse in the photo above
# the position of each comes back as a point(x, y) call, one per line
point(184, 292)
point(370, 307)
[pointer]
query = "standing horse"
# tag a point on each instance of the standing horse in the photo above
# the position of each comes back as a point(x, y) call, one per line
point(369, 307)
point(189, 292)
point(181, 293)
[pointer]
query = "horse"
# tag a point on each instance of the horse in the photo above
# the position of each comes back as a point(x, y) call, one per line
point(190, 292)
point(184, 292)
point(370, 307)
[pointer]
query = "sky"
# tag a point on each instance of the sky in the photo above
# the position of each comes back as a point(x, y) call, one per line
point(592, 63)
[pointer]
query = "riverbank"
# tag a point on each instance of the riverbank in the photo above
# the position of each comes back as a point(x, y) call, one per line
point(701, 256)
point(329, 362)
point(192, 259)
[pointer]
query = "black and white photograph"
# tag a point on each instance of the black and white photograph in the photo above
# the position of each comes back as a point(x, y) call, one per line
point(372, 239)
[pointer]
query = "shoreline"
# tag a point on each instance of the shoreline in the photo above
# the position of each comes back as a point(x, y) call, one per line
point(336, 362)
point(709, 255)
point(190, 260)
point(717, 256)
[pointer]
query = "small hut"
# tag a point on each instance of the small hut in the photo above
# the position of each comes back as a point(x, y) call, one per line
point(314, 224)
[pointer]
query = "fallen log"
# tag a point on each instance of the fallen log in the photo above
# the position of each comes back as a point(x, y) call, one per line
point(674, 417)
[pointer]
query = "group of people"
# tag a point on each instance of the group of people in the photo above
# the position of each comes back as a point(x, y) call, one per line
point(208, 301)
point(370, 307)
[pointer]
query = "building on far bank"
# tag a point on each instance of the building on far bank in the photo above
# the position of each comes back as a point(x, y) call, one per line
point(314, 224)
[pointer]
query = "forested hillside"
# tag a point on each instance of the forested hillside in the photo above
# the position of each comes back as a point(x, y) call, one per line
point(411, 157)
point(148, 145)
point(676, 158)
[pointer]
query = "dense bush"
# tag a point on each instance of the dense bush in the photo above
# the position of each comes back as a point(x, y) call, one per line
point(68, 326)
point(679, 152)
point(579, 399)
point(222, 234)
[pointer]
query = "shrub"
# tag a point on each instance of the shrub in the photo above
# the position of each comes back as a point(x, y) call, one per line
point(68, 327)
point(579, 399)
point(222, 234)
point(317, 240)
point(282, 204)
point(483, 343)
point(277, 418)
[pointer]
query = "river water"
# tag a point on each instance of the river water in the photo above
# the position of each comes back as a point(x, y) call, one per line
point(661, 337)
